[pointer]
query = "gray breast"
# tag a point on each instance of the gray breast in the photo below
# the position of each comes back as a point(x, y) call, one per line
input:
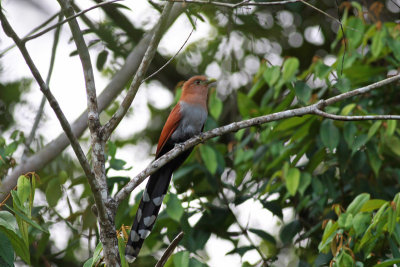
point(193, 119)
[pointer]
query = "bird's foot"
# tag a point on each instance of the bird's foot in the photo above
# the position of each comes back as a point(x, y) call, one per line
point(180, 145)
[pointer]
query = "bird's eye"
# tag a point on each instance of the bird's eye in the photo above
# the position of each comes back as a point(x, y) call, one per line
point(197, 81)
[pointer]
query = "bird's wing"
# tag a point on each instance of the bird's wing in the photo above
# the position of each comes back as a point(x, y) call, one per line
point(170, 126)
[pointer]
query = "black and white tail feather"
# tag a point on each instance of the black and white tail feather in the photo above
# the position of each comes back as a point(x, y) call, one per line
point(150, 203)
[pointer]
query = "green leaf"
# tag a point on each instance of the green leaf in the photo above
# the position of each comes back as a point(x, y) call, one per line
point(209, 157)
point(241, 250)
point(6, 251)
point(359, 142)
point(391, 127)
point(347, 109)
point(247, 107)
point(394, 45)
point(117, 164)
point(356, 205)
point(354, 32)
point(101, 59)
point(372, 204)
point(386, 263)
point(181, 259)
point(361, 222)
point(290, 67)
point(215, 105)
point(394, 144)
point(53, 192)
point(271, 75)
point(121, 249)
point(303, 91)
point(321, 70)
point(343, 85)
point(292, 180)
point(329, 234)
point(349, 133)
point(374, 128)
point(264, 235)
point(174, 208)
point(26, 219)
point(23, 189)
point(99, 248)
point(305, 181)
point(329, 134)
point(378, 42)
point(374, 159)
point(8, 227)
point(289, 231)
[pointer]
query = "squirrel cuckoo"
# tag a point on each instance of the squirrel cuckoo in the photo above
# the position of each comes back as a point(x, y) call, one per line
point(186, 120)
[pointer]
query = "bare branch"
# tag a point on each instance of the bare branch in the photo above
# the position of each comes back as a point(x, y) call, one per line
point(172, 58)
point(235, 126)
point(116, 85)
point(26, 39)
point(169, 250)
point(243, 3)
point(45, 90)
point(150, 52)
point(355, 118)
point(43, 101)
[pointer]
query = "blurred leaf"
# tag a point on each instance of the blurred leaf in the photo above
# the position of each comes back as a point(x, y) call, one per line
point(354, 32)
point(101, 59)
point(378, 42)
point(181, 259)
point(6, 251)
point(271, 75)
point(174, 208)
point(215, 105)
point(303, 91)
point(264, 235)
point(356, 205)
point(329, 134)
point(289, 230)
point(372, 204)
point(292, 180)
point(290, 67)
point(209, 157)
point(53, 192)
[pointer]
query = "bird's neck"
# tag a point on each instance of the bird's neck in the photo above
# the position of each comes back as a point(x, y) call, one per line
point(195, 99)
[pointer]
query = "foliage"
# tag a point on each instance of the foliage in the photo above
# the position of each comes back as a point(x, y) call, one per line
point(340, 180)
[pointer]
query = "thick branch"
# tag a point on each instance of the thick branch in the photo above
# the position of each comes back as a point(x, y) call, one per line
point(150, 52)
point(235, 126)
point(169, 250)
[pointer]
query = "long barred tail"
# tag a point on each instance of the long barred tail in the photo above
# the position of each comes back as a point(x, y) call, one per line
point(147, 212)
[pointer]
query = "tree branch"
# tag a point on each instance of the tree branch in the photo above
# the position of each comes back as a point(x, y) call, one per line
point(169, 250)
point(105, 210)
point(28, 38)
point(243, 3)
point(45, 90)
point(109, 127)
point(235, 126)
point(116, 85)
point(43, 101)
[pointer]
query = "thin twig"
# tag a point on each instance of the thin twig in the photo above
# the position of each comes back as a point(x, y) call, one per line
point(344, 36)
point(172, 58)
point(235, 126)
point(355, 118)
point(169, 250)
point(109, 127)
point(26, 39)
point(31, 32)
point(243, 3)
point(45, 90)
point(43, 101)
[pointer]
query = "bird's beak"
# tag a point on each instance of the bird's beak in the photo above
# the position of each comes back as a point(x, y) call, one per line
point(211, 82)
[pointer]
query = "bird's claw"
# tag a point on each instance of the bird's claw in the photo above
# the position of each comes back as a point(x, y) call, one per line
point(180, 145)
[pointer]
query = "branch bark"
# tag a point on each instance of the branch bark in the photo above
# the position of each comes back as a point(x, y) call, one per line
point(169, 250)
point(116, 85)
point(235, 126)
point(110, 126)
point(105, 210)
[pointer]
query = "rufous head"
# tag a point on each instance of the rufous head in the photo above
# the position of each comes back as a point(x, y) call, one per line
point(197, 85)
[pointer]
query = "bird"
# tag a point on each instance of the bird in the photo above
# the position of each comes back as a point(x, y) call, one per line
point(186, 120)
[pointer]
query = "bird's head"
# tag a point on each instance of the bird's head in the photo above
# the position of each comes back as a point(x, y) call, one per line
point(198, 85)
